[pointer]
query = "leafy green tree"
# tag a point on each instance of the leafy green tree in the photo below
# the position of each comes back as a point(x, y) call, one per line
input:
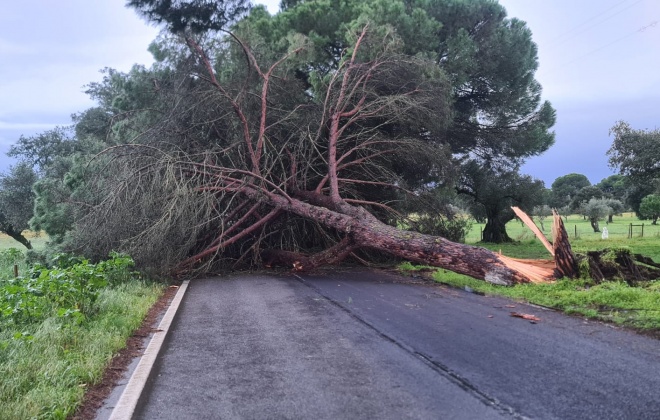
point(635, 152)
point(614, 186)
point(493, 193)
point(650, 208)
point(41, 150)
point(565, 188)
point(16, 201)
point(616, 208)
point(584, 195)
point(595, 209)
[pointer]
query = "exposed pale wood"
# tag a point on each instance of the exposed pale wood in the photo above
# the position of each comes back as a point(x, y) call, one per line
point(530, 224)
point(537, 271)
point(564, 257)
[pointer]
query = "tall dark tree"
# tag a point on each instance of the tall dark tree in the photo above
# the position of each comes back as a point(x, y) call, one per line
point(614, 186)
point(565, 188)
point(584, 195)
point(490, 61)
point(635, 152)
point(493, 192)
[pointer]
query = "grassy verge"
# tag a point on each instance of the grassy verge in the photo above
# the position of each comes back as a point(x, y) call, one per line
point(46, 365)
point(636, 307)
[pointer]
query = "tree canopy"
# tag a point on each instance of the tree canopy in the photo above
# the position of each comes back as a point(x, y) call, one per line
point(565, 188)
point(635, 152)
point(196, 16)
point(650, 208)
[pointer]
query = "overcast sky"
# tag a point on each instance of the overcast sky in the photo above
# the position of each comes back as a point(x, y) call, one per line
point(599, 63)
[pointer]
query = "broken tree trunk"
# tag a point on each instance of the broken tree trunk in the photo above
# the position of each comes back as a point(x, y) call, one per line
point(560, 248)
point(565, 261)
point(363, 230)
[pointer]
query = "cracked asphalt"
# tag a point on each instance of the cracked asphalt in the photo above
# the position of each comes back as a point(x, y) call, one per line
point(371, 345)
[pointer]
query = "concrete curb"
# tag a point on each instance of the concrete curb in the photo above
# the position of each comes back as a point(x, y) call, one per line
point(129, 398)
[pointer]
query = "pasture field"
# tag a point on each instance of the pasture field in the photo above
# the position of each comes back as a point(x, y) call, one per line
point(527, 246)
point(59, 329)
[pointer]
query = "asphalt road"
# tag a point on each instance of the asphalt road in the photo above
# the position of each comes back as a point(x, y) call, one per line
point(353, 345)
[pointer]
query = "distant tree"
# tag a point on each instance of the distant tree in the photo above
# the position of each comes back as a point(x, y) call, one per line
point(616, 208)
point(565, 188)
point(594, 210)
point(614, 186)
point(541, 213)
point(637, 190)
point(584, 195)
point(41, 150)
point(635, 152)
point(16, 201)
point(650, 208)
point(493, 192)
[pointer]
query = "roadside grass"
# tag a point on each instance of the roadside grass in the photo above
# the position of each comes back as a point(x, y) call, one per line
point(46, 366)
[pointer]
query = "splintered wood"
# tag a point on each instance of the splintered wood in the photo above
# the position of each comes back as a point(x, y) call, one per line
point(564, 264)
point(537, 232)
point(564, 257)
point(537, 271)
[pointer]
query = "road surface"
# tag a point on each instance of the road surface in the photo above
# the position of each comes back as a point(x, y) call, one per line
point(363, 344)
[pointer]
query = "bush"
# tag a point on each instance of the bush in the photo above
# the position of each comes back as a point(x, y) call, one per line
point(68, 290)
point(453, 228)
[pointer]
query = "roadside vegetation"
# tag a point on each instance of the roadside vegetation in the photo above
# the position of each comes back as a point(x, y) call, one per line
point(614, 301)
point(60, 326)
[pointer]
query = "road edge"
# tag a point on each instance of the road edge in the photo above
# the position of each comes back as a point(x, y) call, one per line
point(128, 400)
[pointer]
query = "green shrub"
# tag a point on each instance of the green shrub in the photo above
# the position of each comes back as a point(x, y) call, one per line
point(69, 290)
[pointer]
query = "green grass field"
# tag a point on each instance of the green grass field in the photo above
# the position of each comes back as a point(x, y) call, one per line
point(527, 246)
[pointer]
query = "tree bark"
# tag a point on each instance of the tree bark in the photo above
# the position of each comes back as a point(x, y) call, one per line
point(495, 231)
point(365, 231)
point(565, 261)
point(594, 225)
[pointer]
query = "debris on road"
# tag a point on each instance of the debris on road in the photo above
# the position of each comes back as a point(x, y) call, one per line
point(528, 317)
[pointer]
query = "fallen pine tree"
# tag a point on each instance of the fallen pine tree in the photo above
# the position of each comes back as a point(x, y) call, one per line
point(233, 169)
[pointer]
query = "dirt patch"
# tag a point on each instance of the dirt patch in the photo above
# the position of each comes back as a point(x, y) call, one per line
point(97, 394)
